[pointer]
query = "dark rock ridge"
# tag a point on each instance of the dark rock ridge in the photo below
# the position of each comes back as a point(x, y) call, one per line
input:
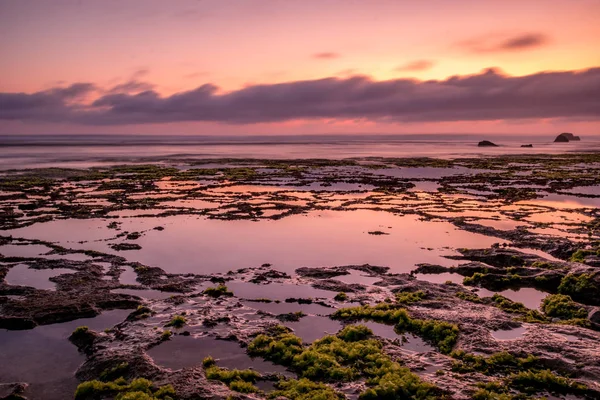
point(526, 145)
point(566, 137)
point(486, 143)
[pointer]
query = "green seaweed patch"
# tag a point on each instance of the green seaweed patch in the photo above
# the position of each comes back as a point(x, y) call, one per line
point(80, 331)
point(138, 389)
point(341, 296)
point(166, 335)
point(410, 297)
point(442, 334)
point(238, 380)
point(493, 281)
point(472, 297)
point(513, 307)
point(580, 255)
point(546, 381)
point(350, 355)
point(118, 371)
point(304, 389)
point(177, 321)
point(581, 287)
point(218, 291)
point(523, 374)
point(563, 307)
point(497, 363)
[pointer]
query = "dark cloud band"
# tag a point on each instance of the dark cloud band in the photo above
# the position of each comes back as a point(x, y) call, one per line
point(489, 95)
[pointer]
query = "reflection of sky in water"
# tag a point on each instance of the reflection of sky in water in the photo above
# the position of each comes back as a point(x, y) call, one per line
point(45, 358)
point(530, 297)
point(183, 352)
point(22, 275)
point(509, 334)
point(325, 238)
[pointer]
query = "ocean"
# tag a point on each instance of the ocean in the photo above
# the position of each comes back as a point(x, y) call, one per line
point(84, 151)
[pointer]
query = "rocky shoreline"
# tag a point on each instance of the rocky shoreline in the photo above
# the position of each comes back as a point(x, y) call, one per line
point(427, 339)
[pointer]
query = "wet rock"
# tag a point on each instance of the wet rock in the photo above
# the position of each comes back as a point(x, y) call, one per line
point(125, 246)
point(593, 261)
point(290, 317)
point(13, 391)
point(268, 276)
point(47, 307)
point(499, 257)
point(337, 286)
point(594, 316)
point(84, 339)
point(486, 143)
point(566, 137)
point(321, 273)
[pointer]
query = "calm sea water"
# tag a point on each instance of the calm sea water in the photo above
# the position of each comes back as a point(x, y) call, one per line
point(82, 151)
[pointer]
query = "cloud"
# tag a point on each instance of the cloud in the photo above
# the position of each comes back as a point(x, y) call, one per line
point(326, 55)
point(415, 66)
point(524, 42)
point(489, 95)
point(131, 86)
point(520, 42)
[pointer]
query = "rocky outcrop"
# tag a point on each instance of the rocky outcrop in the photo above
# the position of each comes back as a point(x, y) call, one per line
point(527, 145)
point(566, 137)
point(486, 143)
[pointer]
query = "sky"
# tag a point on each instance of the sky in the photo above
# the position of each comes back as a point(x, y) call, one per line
point(299, 66)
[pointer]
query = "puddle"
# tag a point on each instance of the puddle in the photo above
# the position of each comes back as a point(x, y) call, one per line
point(276, 291)
point(509, 334)
point(70, 257)
point(45, 358)
point(22, 275)
point(503, 225)
point(564, 201)
point(425, 186)
point(146, 293)
point(537, 252)
point(530, 297)
point(591, 190)
point(441, 277)
point(324, 238)
point(311, 328)
point(284, 308)
point(27, 250)
point(186, 351)
point(570, 338)
point(128, 276)
point(359, 277)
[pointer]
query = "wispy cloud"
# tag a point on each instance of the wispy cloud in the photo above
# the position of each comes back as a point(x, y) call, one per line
point(489, 95)
point(494, 44)
point(326, 55)
point(415, 66)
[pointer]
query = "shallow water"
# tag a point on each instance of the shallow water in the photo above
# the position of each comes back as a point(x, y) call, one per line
point(530, 297)
point(45, 358)
point(509, 334)
point(186, 351)
point(323, 238)
point(311, 328)
point(284, 308)
point(146, 293)
point(22, 275)
point(318, 238)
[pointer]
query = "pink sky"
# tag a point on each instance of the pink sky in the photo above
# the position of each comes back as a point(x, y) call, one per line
point(175, 47)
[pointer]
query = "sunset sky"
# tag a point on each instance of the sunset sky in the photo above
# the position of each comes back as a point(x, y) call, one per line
point(299, 66)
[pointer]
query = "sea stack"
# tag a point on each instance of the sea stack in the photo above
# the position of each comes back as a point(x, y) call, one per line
point(566, 137)
point(487, 143)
